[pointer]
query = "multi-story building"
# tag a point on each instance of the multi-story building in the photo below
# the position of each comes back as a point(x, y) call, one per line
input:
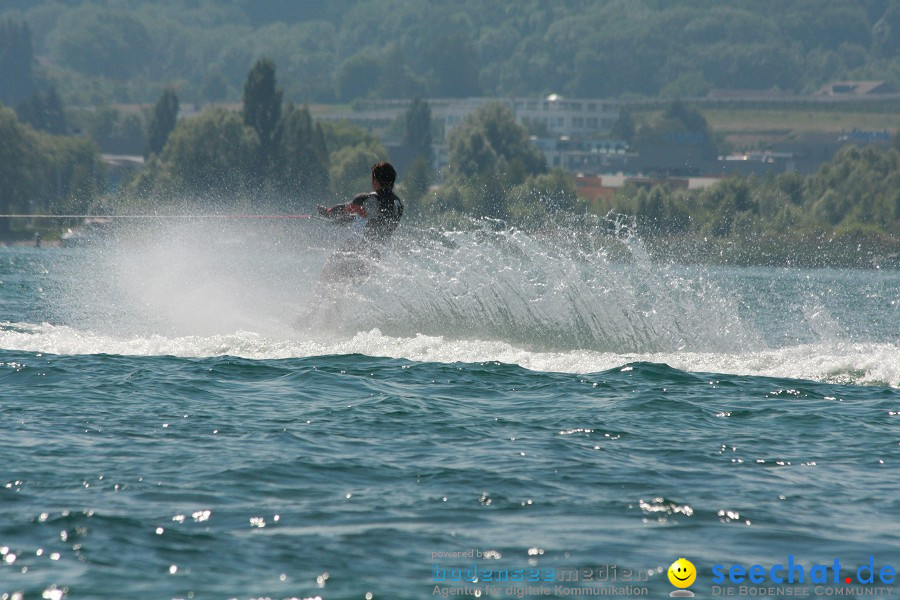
point(585, 155)
point(570, 117)
point(566, 119)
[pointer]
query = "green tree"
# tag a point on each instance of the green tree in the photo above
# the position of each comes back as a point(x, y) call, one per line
point(210, 156)
point(680, 132)
point(44, 112)
point(857, 187)
point(534, 201)
point(341, 134)
point(608, 48)
point(417, 131)
point(489, 154)
point(262, 106)
point(163, 121)
point(623, 128)
point(79, 174)
point(20, 166)
point(95, 40)
point(351, 169)
point(42, 172)
point(490, 143)
point(396, 79)
point(16, 59)
point(351, 153)
point(690, 84)
point(855, 194)
point(417, 180)
point(300, 161)
point(358, 77)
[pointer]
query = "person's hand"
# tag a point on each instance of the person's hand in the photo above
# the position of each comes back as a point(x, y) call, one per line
point(323, 210)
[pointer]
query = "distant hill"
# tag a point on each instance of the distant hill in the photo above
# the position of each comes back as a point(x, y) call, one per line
point(98, 51)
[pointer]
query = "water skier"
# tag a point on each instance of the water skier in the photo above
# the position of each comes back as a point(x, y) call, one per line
point(372, 217)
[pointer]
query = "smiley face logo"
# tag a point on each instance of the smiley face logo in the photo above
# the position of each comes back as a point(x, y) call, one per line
point(682, 573)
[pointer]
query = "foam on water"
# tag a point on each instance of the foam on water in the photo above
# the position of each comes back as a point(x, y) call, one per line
point(859, 363)
point(579, 298)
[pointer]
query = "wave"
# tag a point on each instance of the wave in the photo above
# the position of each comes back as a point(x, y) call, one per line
point(581, 297)
point(855, 363)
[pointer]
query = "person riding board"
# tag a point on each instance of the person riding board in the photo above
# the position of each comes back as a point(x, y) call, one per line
point(372, 217)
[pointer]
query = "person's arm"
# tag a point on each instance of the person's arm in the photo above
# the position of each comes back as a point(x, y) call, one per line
point(344, 213)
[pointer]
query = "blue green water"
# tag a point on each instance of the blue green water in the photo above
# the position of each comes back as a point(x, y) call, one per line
point(168, 432)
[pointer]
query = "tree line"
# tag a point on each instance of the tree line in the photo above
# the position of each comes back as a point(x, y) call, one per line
point(269, 153)
point(856, 194)
point(100, 51)
point(263, 152)
point(44, 173)
point(495, 171)
point(274, 154)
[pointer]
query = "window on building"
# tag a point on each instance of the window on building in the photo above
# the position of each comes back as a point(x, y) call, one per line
point(592, 107)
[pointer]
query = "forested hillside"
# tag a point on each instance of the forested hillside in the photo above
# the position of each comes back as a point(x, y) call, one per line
point(97, 51)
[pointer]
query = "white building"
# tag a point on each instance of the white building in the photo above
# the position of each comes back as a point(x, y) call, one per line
point(572, 118)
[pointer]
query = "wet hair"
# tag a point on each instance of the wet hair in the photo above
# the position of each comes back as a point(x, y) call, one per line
point(384, 174)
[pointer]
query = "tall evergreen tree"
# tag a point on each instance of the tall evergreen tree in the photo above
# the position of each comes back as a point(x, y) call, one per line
point(262, 104)
point(56, 113)
point(417, 132)
point(165, 117)
point(623, 128)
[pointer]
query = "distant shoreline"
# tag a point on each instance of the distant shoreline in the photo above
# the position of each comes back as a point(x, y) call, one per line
point(779, 251)
point(762, 251)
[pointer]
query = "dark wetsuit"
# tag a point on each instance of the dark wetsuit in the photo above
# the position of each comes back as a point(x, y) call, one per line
point(372, 217)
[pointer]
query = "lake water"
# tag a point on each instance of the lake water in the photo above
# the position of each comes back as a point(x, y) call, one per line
point(182, 419)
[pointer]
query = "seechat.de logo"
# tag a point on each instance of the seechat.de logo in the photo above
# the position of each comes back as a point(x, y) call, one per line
point(792, 572)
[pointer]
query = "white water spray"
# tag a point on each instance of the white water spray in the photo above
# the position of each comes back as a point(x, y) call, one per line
point(568, 299)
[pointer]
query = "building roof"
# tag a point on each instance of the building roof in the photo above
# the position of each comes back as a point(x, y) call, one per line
point(855, 88)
